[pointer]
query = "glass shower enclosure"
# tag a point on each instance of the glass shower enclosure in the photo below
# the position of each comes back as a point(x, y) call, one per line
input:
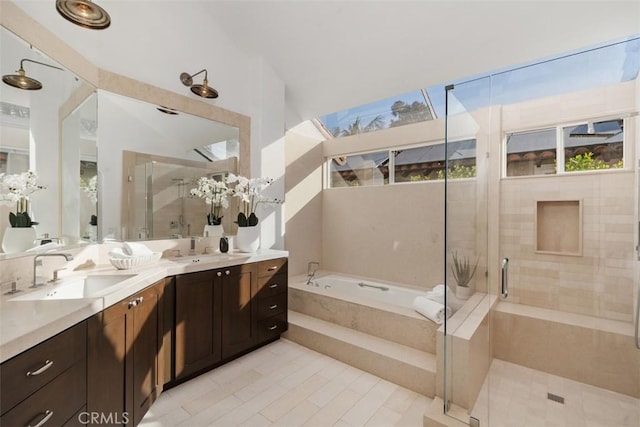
point(550, 216)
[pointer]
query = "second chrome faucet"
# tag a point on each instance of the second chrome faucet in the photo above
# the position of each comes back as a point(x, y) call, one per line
point(37, 261)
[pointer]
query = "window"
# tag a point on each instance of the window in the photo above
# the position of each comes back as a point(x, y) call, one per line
point(593, 145)
point(428, 162)
point(531, 153)
point(585, 146)
point(399, 110)
point(425, 163)
point(359, 170)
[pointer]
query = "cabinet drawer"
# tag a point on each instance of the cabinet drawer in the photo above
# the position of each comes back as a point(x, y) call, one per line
point(271, 306)
point(270, 286)
point(272, 266)
point(29, 371)
point(57, 401)
point(272, 327)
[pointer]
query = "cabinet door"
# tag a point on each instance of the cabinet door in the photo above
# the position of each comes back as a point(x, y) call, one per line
point(122, 357)
point(144, 349)
point(106, 361)
point(197, 319)
point(238, 310)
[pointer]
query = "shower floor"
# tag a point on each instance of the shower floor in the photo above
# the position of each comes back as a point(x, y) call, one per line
point(519, 398)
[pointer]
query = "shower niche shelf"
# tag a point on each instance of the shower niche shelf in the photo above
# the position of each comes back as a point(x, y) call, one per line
point(558, 228)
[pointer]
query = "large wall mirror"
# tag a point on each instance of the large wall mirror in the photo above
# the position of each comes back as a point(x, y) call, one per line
point(157, 154)
point(46, 131)
point(76, 143)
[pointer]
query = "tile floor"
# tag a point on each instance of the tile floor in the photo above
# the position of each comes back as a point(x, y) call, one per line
point(519, 399)
point(285, 384)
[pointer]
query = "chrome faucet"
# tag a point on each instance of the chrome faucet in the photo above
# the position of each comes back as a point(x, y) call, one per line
point(37, 262)
point(312, 267)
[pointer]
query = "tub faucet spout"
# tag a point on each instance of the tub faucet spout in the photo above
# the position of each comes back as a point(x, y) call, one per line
point(312, 267)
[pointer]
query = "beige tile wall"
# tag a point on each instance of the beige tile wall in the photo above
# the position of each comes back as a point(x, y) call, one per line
point(599, 353)
point(598, 283)
point(395, 232)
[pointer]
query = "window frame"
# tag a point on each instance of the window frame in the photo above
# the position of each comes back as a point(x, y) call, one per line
point(560, 147)
point(391, 164)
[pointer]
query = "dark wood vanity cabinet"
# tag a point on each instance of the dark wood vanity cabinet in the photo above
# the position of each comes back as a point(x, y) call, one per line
point(239, 331)
point(271, 299)
point(215, 317)
point(124, 357)
point(46, 384)
point(198, 319)
point(222, 313)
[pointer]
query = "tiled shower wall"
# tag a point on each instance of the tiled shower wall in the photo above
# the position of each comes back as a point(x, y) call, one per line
point(598, 283)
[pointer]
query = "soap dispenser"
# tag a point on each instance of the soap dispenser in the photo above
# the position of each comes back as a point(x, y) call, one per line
point(224, 244)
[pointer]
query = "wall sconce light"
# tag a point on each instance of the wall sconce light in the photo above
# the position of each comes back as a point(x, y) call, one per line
point(84, 13)
point(202, 90)
point(21, 81)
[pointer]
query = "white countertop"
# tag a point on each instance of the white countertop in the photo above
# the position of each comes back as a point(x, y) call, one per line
point(24, 324)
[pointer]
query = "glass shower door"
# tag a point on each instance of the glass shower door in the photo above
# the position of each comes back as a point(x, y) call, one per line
point(467, 171)
point(557, 191)
point(562, 347)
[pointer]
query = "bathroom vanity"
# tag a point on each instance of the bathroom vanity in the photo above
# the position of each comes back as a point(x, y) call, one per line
point(174, 321)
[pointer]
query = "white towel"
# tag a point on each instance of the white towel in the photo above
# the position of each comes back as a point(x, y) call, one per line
point(439, 289)
point(430, 309)
point(437, 295)
point(136, 249)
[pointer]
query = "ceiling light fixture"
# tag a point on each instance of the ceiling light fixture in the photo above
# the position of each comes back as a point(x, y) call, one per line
point(167, 110)
point(202, 90)
point(84, 13)
point(21, 81)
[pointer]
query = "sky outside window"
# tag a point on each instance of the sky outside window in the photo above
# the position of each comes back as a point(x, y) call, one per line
point(599, 66)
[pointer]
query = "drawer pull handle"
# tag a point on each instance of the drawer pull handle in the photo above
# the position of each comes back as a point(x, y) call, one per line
point(136, 302)
point(47, 365)
point(272, 268)
point(272, 328)
point(273, 307)
point(273, 285)
point(219, 273)
point(47, 414)
point(227, 272)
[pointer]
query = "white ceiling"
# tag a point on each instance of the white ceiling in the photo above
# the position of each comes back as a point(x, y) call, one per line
point(337, 54)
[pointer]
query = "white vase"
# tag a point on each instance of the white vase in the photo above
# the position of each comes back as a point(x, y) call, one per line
point(248, 239)
point(464, 293)
point(215, 231)
point(18, 239)
point(92, 231)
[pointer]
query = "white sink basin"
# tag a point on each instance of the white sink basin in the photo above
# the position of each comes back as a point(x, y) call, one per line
point(76, 288)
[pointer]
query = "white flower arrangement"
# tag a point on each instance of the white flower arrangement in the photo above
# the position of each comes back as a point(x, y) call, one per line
point(16, 189)
point(91, 188)
point(249, 191)
point(215, 193)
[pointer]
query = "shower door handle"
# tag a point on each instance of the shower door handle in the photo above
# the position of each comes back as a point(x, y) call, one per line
point(505, 278)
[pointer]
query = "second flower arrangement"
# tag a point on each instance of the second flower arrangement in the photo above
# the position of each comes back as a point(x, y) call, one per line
point(216, 194)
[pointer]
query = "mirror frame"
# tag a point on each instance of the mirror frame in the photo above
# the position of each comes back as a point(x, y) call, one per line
point(22, 25)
